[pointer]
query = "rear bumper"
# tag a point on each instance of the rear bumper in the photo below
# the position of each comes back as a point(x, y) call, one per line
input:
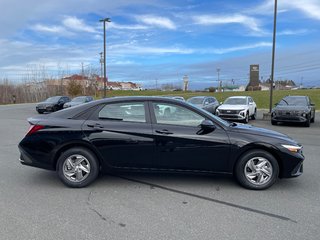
point(26, 159)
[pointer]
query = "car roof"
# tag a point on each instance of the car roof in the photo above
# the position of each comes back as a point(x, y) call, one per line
point(238, 97)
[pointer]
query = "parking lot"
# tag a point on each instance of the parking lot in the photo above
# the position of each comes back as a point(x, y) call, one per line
point(34, 204)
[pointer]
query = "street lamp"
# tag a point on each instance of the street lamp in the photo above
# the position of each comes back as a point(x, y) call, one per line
point(104, 20)
point(273, 52)
point(219, 82)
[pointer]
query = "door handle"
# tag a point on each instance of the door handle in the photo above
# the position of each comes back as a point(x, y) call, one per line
point(95, 125)
point(164, 131)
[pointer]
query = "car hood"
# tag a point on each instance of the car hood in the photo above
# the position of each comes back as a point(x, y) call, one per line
point(232, 107)
point(46, 103)
point(249, 129)
point(71, 104)
point(291, 108)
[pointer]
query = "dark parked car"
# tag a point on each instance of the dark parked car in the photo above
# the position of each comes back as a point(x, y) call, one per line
point(132, 133)
point(297, 109)
point(52, 104)
point(207, 103)
point(77, 101)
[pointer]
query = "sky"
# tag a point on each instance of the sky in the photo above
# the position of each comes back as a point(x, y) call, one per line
point(156, 42)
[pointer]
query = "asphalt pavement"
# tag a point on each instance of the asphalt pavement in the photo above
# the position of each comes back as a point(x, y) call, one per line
point(34, 204)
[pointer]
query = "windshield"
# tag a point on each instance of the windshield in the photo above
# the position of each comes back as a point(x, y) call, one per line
point(195, 100)
point(79, 99)
point(53, 99)
point(236, 101)
point(293, 101)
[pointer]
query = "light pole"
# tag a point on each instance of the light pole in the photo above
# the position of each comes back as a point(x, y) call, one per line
point(104, 20)
point(273, 52)
point(219, 82)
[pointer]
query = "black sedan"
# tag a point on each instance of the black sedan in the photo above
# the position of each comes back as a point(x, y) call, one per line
point(52, 104)
point(137, 133)
point(297, 109)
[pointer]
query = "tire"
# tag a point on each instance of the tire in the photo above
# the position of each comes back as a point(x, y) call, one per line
point(246, 120)
point(40, 112)
point(312, 119)
point(274, 122)
point(307, 123)
point(77, 167)
point(254, 116)
point(257, 170)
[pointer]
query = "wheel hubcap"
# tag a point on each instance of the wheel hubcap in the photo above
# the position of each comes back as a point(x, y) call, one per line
point(258, 170)
point(76, 168)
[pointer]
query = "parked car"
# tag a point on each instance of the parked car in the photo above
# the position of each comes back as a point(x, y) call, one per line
point(238, 108)
point(128, 133)
point(52, 104)
point(297, 109)
point(77, 101)
point(207, 103)
point(176, 97)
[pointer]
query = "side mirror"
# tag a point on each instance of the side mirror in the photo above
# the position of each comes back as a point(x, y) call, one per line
point(312, 104)
point(206, 103)
point(207, 125)
point(276, 104)
point(221, 103)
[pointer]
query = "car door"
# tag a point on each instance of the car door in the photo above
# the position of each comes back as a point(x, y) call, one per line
point(181, 144)
point(122, 134)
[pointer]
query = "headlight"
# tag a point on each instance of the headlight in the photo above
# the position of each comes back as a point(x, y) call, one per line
point(292, 148)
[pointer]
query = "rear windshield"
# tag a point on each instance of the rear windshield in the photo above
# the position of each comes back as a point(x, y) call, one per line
point(195, 100)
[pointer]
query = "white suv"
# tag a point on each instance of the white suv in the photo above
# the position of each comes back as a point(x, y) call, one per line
point(238, 108)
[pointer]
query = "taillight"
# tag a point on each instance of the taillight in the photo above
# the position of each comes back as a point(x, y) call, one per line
point(34, 128)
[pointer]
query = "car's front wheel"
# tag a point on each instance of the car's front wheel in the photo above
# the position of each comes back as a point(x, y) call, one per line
point(246, 120)
point(308, 120)
point(257, 170)
point(77, 167)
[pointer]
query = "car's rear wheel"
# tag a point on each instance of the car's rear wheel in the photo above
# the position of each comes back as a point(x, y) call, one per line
point(77, 167)
point(254, 116)
point(274, 122)
point(257, 170)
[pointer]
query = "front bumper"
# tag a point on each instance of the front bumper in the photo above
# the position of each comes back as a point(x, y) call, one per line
point(289, 116)
point(45, 108)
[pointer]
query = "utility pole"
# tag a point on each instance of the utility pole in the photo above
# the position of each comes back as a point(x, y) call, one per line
point(82, 78)
point(104, 20)
point(219, 82)
point(101, 66)
point(273, 52)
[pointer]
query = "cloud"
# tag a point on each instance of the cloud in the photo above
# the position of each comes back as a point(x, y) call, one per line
point(240, 48)
point(293, 32)
point(77, 24)
point(208, 20)
point(127, 27)
point(157, 21)
point(49, 29)
point(310, 8)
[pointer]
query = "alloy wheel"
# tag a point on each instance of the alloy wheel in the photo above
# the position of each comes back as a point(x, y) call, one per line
point(76, 168)
point(258, 170)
